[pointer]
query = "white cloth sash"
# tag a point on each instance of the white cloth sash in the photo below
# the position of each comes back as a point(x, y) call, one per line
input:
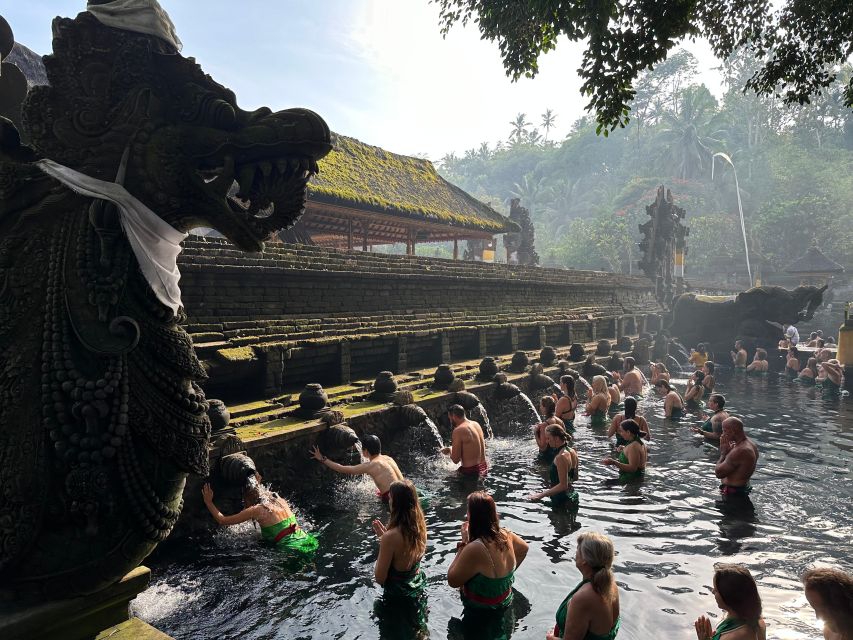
point(155, 243)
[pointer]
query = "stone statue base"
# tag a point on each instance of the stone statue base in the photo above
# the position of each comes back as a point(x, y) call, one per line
point(78, 618)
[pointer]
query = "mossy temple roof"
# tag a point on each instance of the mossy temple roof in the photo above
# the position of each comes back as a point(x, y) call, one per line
point(391, 198)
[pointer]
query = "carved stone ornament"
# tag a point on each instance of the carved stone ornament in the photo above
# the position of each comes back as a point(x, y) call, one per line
point(101, 412)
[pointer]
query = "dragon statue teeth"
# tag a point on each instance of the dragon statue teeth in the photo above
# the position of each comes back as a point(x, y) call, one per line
point(101, 412)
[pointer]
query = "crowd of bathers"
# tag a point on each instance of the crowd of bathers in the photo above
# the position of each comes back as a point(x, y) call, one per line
point(488, 555)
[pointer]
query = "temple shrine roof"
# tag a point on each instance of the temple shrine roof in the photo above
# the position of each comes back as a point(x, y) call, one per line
point(363, 177)
point(814, 261)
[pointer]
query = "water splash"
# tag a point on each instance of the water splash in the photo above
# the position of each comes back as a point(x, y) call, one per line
point(739, 208)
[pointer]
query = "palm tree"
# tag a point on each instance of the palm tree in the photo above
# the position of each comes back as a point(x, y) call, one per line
point(692, 136)
point(519, 127)
point(549, 120)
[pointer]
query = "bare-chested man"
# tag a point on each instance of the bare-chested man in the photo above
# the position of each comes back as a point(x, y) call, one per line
point(380, 467)
point(633, 379)
point(468, 445)
point(738, 459)
point(739, 356)
point(712, 428)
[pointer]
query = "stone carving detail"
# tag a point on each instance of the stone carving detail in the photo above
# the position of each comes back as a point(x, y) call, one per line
point(664, 236)
point(101, 412)
point(520, 246)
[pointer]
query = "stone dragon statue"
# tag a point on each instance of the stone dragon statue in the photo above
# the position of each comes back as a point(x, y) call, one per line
point(753, 315)
point(101, 412)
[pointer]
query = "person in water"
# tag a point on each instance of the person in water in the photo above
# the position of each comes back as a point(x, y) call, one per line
point(736, 594)
point(632, 459)
point(486, 557)
point(597, 405)
point(673, 405)
point(809, 372)
point(759, 364)
point(468, 446)
point(738, 459)
point(709, 382)
point(567, 404)
point(792, 364)
point(563, 471)
point(380, 467)
point(830, 594)
point(830, 375)
point(591, 610)
point(632, 379)
point(547, 409)
point(630, 413)
point(402, 543)
point(695, 389)
point(700, 356)
point(812, 339)
point(658, 371)
point(739, 356)
point(271, 512)
point(712, 428)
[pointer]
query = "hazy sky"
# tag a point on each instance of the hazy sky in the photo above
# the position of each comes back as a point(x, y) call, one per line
point(377, 70)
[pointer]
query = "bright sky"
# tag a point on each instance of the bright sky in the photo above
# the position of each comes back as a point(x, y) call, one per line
point(377, 70)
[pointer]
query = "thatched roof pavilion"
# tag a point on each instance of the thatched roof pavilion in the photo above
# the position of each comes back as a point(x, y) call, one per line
point(814, 267)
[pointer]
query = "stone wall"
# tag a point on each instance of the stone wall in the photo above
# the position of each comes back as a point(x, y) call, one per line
point(298, 313)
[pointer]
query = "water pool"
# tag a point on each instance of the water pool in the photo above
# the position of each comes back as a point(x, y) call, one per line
point(668, 532)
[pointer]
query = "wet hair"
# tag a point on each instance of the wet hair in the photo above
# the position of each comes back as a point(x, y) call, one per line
point(631, 427)
point(794, 350)
point(738, 591)
point(456, 410)
point(548, 406)
point(719, 398)
point(820, 342)
point(407, 516)
point(813, 335)
point(811, 365)
point(661, 367)
point(597, 551)
point(372, 445)
point(251, 495)
point(835, 588)
point(761, 353)
point(557, 430)
point(569, 381)
point(629, 363)
point(700, 375)
point(701, 348)
point(483, 520)
point(664, 383)
point(599, 384)
point(630, 407)
point(710, 366)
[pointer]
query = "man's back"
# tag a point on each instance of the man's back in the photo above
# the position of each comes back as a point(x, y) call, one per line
point(469, 436)
point(384, 470)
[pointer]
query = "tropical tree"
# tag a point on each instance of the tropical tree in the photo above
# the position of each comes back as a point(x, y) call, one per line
point(519, 128)
point(803, 41)
point(693, 135)
point(549, 119)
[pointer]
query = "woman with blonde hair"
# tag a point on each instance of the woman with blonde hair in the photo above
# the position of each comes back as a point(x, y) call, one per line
point(736, 594)
point(809, 372)
point(830, 593)
point(658, 371)
point(591, 610)
point(597, 405)
point(402, 543)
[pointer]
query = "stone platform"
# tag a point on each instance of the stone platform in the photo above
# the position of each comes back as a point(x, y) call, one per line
point(105, 612)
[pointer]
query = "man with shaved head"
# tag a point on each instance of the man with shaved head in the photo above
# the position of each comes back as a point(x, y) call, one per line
point(738, 459)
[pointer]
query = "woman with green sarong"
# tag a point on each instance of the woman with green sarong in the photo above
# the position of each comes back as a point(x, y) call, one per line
point(597, 405)
point(632, 459)
point(486, 558)
point(736, 594)
point(563, 471)
point(402, 543)
point(271, 512)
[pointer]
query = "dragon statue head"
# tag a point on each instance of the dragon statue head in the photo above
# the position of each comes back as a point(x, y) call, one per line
point(188, 141)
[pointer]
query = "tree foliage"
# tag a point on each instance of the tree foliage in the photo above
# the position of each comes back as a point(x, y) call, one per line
point(800, 44)
point(586, 194)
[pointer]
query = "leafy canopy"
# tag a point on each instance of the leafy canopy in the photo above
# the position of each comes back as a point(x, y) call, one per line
point(800, 43)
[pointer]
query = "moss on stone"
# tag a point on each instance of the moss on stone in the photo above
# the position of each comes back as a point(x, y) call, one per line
point(236, 354)
point(359, 174)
